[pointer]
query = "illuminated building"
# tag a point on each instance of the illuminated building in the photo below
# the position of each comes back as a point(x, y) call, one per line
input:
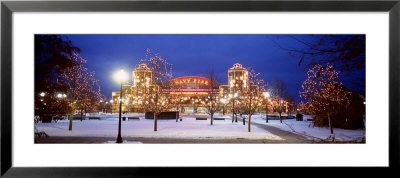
point(142, 81)
point(188, 93)
point(191, 93)
point(237, 81)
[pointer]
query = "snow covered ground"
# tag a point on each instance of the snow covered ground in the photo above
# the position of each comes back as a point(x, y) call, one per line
point(306, 128)
point(189, 127)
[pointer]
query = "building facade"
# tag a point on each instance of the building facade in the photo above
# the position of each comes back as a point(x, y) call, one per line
point(187, 94)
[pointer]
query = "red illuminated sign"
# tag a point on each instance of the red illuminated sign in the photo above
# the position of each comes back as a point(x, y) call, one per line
point(190, 90)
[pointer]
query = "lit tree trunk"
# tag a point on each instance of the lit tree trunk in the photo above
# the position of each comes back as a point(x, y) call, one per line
point(266, 112)
point(71, 117)
point(330, 123)
point(249, 112)
point(249, 122)
point(72, 105)
point(233, 110)
point(155, 112)
point(155, 121)
point(280, 112)
point(212, 118)
point(177, 111)
point(81, 114)
point(212, 112)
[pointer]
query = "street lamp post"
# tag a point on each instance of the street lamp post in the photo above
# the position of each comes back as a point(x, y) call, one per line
point(266, 95)
point(120, 76)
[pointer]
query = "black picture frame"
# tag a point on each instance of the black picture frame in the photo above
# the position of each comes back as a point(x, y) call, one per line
point(8, 7)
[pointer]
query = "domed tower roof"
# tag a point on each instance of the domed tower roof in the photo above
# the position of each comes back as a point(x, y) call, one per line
point(237, 66)
point(143, 67)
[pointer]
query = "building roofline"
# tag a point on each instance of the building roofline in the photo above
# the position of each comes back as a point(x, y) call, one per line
point(192, 76)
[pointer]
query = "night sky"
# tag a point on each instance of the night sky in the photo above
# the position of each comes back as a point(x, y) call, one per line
point(193, 55)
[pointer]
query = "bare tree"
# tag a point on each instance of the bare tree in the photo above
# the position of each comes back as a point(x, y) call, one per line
point(278, 91)
point(212, 97)
point(345, 52)
point(251, 94)
point(324, 92)
point(83, 88)
point(291, 102)
point(52, 56)
point(155, 101)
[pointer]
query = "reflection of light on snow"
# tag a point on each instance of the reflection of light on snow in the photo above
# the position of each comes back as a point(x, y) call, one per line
point(305, 128)
point(189, 128)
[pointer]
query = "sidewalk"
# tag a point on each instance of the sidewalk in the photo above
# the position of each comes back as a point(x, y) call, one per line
point(289, 136)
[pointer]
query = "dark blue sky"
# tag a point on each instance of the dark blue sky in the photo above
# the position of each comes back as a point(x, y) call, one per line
point(193, 55)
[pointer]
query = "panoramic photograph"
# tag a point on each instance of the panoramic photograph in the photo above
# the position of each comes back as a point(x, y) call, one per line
point(199, 89)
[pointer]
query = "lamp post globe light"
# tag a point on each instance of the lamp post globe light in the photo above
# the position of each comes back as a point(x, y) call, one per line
point(266, 95)
point(120, 76)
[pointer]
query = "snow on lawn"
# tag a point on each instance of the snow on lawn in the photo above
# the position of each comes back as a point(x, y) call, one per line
point(306, 128)
point(189, 127)
point(124, 142)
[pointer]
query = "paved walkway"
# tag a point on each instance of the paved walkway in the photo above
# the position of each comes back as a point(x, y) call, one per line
point(289, 137)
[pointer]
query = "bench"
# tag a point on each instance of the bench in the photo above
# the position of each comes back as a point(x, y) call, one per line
point(133, 118)
point(78, 118)
point(90, 118)
point(201, 118)
point(290, 117)
point(219, 118)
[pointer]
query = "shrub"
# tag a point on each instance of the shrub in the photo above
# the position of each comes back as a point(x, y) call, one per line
point(46, 119)
point(299, 117)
